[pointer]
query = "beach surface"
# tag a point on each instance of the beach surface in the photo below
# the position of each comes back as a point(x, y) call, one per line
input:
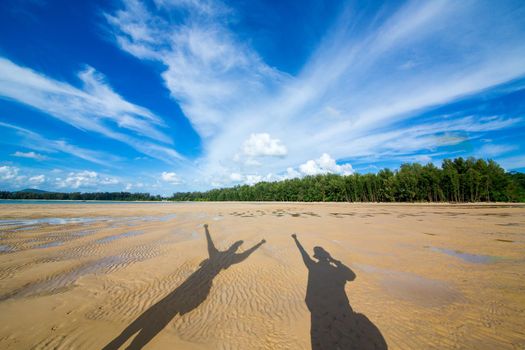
point(419, 276)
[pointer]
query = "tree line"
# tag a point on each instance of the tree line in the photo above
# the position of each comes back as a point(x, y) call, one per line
point(458, 180)
point(100, 196)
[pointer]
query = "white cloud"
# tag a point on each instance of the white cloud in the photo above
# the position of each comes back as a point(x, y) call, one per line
point(291, 173)
point(252, 179)
point(324, 165)
point(108, 181)
point(37, 180)
point(8, 173)
point(12, 177)
point(136, 185)
point(85, 179)
point(31, 155)
point(248, 179)
point(236, 177)
point(263, 145)
point(170, 177)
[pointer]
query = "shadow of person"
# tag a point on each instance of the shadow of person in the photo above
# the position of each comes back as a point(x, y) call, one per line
point(334, 325)
point(189, 295)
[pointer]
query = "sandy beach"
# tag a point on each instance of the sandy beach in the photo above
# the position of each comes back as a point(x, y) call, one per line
point(92, 276)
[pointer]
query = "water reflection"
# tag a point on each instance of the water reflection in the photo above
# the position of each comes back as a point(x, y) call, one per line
point(471, 258)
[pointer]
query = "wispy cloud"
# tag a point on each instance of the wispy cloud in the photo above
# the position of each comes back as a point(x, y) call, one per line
point(33, 140)
point(94, 107)
point(492, 150)
point(210, 72)
point(30, 155)
point(349, 100)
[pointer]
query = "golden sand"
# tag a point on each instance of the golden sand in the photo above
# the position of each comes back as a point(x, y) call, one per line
point(418, 276)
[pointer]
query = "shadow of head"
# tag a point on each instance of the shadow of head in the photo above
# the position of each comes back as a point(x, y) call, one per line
point(321, 254)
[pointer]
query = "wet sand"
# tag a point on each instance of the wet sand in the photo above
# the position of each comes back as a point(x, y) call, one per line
point(417, 276)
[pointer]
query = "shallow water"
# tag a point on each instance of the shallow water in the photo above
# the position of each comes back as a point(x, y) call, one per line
point(51, 244)
point(27, 224)
point(83, 233)
point(471, 258)
point(51, 221)
point(5, 248)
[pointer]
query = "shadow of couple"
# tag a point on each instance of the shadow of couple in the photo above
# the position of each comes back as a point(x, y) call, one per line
point(334, 324)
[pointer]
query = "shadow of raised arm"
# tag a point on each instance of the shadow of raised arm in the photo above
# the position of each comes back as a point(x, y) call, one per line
point(306, 258)
point(212, 251)
point(237, 258)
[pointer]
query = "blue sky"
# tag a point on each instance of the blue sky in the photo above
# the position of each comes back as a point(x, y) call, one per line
point(174, 95)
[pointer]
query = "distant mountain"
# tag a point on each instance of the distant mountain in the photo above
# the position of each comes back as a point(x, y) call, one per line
point(33, 190)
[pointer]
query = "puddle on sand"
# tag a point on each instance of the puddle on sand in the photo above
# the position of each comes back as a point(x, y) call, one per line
point(51, 221)
point(413, 288)
point(83, 233)
point(471, 258)
point(119, 236)
point(161, 218)
point(27, 224)
point(5, 248)
point(50, 244)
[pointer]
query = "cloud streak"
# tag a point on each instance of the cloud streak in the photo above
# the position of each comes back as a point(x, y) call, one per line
point(35, 141)
point(30, 155)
